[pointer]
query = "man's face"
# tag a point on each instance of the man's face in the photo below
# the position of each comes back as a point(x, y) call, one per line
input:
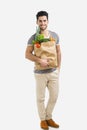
point(42, 22)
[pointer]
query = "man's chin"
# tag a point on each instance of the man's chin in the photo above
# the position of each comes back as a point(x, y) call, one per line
point(44, 28)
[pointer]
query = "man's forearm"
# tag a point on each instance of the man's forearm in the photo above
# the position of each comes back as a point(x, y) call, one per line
point(33, 58)
point(59, 59)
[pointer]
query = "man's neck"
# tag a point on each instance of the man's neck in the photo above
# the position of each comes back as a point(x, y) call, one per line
point(45, 33)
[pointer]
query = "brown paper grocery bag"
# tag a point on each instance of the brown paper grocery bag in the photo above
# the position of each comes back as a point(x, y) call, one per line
point(47, 50)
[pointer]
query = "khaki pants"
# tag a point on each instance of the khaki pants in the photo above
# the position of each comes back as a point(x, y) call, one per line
point(51, 81)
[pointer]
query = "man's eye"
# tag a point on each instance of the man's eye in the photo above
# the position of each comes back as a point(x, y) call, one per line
point(40, 21)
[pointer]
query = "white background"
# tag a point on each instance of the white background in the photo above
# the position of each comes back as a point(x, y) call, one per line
point(18, 109)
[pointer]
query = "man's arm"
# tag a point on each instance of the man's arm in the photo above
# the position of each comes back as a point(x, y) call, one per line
point(58, 55)
point(29, 55)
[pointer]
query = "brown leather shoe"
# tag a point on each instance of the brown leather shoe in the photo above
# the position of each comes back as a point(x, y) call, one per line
point(52, 123)
point(44, 125)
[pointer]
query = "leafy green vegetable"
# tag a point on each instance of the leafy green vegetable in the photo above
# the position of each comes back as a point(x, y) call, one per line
point(39, 37)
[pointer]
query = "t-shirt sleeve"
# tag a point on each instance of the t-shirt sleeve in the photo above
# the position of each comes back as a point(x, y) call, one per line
point(57, 39)
point(29, 43)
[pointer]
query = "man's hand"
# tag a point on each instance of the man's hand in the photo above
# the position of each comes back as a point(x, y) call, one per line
point(44, 62)
point(58, 68)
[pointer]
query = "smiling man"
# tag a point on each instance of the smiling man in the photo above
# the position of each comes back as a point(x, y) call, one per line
point(47, 59)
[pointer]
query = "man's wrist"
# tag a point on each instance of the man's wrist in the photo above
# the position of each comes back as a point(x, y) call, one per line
point(39, 60)
point(58, 66)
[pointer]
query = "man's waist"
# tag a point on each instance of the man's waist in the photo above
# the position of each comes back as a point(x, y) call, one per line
point(45, 71)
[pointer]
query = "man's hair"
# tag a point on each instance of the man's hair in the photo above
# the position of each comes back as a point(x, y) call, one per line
point(42, 13)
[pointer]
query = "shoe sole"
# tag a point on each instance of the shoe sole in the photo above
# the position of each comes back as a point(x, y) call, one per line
point(53, 126)
point(45, 129)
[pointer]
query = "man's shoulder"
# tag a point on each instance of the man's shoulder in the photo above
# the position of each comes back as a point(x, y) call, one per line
point(31, 38)
point(53, 33)
point(33, 35)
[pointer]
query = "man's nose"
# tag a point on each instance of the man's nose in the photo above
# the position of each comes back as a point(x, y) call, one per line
point(42, 22)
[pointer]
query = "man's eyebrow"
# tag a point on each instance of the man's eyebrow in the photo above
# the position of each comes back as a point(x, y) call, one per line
point(42, 20)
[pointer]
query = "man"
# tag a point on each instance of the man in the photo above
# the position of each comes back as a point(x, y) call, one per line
point(47, 58)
